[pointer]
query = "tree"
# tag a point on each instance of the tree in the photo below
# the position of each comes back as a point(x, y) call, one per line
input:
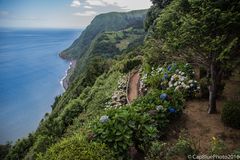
point(205, 33)
point(154, 12)
point(4, 149)
point(161, 3)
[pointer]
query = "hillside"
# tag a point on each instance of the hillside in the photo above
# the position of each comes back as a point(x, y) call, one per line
point(89, 44)
point(138, 96)
point(114, 21)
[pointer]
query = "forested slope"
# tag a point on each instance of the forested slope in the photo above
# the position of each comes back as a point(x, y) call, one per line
point(190, 49)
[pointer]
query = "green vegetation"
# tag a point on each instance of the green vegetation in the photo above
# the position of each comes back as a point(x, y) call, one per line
point(4, 149)
point(187, 31)
point(77, 148)
point(230, 114)
point(182, 36)
point(217, 147)
point(107, 35)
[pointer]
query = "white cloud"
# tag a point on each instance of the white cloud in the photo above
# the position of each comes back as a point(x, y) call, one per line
point(96, 3)
point(88, 7)
point(75, 3)
point(131, 5)
point(86, 13)
point(127, 4)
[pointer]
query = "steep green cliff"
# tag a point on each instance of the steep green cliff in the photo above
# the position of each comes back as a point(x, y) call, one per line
point(114, 21)
point(107, 36)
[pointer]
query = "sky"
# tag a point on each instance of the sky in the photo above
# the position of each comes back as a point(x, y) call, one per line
point(61, 13)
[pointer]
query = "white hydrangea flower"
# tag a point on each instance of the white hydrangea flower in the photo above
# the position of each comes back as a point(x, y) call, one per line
point(175, 84)
point(158, 108)
point(104, 119)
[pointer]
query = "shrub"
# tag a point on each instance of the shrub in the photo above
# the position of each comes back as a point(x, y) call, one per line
point(230, 114)
point(157, 151)
point(139, 124)
point(131, 64)
point(4, 149)
point(125, 128)
point(237, 151)
point(179, 77)
point(72, 110)
point(217, 147)
point(77, 148)
point(183, 147)
point(20, 148)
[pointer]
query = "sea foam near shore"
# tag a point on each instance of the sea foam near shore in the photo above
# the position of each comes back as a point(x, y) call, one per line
point(65, 80)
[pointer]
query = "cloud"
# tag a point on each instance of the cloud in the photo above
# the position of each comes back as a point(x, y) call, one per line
point(96, 3)
point(128, 4)
point(75, 3)
point(111, 2)
point(88, 7)
point(3, 13)
point(124, 4)
point(86, 13)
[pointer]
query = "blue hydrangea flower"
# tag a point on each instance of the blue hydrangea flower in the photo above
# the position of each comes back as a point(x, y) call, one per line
point(169, 68)
point(172, 110)
point(165, 75)
point(163, 96)
point(104, 119)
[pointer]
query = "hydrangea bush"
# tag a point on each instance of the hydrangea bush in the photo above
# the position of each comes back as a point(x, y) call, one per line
point(147, 118)
point(124, 128)
point(139, 123)
point(178, 77)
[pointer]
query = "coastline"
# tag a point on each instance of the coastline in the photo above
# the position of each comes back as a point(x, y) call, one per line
point(65, 80)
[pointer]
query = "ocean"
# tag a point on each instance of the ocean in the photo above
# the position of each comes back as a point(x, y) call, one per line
point(30, 75)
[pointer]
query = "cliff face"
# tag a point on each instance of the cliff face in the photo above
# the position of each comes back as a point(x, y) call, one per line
point(107, 36)
point(113, 21)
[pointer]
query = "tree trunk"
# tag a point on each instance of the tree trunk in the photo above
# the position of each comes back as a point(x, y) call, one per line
point(213, 90)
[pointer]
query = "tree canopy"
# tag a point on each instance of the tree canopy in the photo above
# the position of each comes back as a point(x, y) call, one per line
point(203, 33)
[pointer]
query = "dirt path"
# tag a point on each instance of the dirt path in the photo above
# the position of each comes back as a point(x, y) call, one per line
point(133, 87)
point(203, 126)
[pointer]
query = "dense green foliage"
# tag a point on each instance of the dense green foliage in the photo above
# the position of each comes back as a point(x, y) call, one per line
point(77, 148)
point(107, 35)
point(203, 33)
point(4, 149)
point(145, 120)
point(179, 77)
point(230, 114)
point(190, 33)
point(103, 23)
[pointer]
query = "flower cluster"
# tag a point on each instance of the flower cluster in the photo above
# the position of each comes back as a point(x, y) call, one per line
point(180, 81)
point(119, 97)
point(104, 119)
point(175, 76)
point(142, 85)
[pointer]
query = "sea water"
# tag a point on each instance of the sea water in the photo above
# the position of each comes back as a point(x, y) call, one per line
point(30, 75)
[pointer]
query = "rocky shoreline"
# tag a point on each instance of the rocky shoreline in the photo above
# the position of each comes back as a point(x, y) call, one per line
point(65, 79)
